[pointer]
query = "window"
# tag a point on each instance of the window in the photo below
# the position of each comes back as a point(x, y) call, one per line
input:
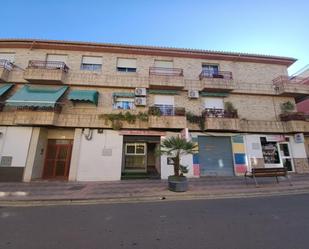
point(91, 63)
point(213, 103)
point(124, 103)
point(165, 104)
point(8, 57)
point(135, 149)
point(56, 57)
point(210, 70)
point(164, 64)
point(270, 151)
point(126, 65)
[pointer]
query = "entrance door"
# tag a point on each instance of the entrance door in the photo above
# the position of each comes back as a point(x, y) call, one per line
point(286, 156)
point(135, 157)
point(216, 156)
point(57, 159)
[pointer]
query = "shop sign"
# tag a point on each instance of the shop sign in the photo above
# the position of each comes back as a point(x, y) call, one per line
point(275, 138)
point(142, 133)
point(299, 138)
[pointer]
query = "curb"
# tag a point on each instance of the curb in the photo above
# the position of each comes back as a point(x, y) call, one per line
point(149, 199)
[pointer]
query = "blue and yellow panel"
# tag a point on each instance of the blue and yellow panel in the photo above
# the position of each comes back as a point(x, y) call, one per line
point(196, 159)
point(239, 151)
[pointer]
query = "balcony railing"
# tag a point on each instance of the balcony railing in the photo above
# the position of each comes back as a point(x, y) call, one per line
point(216, 75)
point(219, 113)
point(291, 80)
point(6, 65)
point(50, 65)
point(166, 110)
point(293, 116)
point(164, 71)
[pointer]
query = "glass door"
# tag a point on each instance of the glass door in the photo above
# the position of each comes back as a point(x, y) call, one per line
point(286, 158)
point(135, 157)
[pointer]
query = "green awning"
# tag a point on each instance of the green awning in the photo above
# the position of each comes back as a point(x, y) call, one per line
point(163, 91)
point(4, 88)
point(124, 95)
point(84, 96)
point(207, 94)
point(34, 96)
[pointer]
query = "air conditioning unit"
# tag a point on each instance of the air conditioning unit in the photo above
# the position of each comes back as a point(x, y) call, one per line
point(140, 91)
point(193, 94)
point(140, 101)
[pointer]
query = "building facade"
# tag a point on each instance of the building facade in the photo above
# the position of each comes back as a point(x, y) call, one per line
point(98, 112)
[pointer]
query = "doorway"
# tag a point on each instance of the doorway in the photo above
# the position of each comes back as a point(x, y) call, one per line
point(57, 159)
point(285, 154)
point(135, 157)
point(216, 158)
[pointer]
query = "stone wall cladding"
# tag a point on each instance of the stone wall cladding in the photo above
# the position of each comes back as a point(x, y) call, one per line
point(243, 72)
point(254, 107)
point(301, 165)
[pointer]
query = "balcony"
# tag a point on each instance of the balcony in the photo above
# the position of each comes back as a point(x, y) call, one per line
point(5, 69)
point(297, 87)
point(220, 119)
point(220, 81)
point(48, 71)
point(297, 126)
point(168, 117)
point(167, 78)
point(261, 126)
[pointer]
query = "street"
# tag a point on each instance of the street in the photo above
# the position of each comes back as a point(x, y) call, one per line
point(255, 223)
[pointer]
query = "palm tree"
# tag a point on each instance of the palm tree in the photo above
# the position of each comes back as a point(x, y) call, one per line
point(177, 147)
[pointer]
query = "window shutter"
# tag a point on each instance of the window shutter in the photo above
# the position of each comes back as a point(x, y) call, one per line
point(164, 100)
point(164, 64)
point(56, 57)
point(126, 63)
point(214, 103)
point(7, 56)
point(92, 60)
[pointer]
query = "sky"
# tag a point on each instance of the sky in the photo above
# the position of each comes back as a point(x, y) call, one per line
point(264, 27)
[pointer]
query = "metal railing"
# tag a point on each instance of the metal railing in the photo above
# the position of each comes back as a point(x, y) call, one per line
point(166, 110)
point(226, 75)
point(164, 71)
point(284, 79)
point(292, 116)
point(219, 113)
point(50, 65)
point(6, 64)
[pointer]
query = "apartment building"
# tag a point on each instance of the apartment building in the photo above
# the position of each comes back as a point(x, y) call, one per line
point(98, 112)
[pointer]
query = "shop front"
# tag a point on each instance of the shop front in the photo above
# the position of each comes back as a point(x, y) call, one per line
point(139, 155)
point(276, 151)
point(215, 156)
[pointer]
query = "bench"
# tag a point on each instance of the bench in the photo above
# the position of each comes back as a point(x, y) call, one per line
point(267, 172)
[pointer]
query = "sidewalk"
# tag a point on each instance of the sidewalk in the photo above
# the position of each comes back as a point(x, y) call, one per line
point(54, 192)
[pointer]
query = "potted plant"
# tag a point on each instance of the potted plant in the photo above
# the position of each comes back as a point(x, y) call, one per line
point(288, 112)
point(175, 148)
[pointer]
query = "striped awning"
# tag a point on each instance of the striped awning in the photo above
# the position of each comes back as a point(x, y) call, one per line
point(163, 92)
point(4, 88)
point(213, 94)
point(91, 96)
point(123, 95)
point(36, 96)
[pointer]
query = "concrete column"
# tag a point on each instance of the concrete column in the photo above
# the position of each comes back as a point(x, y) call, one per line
point(75, 155)
point(31, 154)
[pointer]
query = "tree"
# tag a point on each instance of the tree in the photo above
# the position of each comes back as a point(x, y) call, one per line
point(177, 147)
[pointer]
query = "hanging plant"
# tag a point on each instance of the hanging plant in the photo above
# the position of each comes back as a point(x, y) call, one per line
point(196, 119)
point(154, 111)
point(117, 119)
point(287, 107)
